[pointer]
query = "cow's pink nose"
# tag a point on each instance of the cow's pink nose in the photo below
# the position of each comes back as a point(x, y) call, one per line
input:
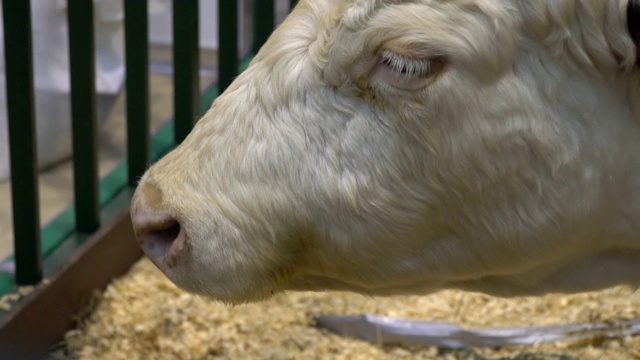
point(159, 234)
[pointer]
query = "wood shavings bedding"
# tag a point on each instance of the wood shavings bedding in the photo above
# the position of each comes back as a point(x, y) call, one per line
point(143, 316)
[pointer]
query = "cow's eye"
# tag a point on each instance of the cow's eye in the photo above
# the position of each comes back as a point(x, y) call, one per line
point(404, 72)
point(404, 66)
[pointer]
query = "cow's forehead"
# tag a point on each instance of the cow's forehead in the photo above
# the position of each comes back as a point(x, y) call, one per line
point(591, 25)
point(356, 12)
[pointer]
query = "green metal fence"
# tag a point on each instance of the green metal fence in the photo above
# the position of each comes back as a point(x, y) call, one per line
point(38, 251)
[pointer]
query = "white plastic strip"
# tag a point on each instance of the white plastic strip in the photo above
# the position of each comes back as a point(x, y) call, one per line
point(386, 330)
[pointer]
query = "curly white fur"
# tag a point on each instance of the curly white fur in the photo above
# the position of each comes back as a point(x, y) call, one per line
point(509, 163)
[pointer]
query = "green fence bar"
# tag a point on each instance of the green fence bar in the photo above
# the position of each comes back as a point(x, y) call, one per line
point(137, 67)
point(264, 20)
point(228, 43)
point(22, 140)
point(83, 114)
point(186, 65)
point(292, 4)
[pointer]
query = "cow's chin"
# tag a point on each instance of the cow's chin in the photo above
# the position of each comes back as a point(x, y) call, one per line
point(244, 285)
point(406, 286)
point(230, 292)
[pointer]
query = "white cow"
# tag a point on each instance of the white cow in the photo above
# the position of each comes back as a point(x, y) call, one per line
point(402, 147)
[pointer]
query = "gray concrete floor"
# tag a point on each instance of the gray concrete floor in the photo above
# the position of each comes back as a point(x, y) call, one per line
point(56, 183)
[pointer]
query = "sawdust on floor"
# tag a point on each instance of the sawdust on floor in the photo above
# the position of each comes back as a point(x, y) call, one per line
point(143, 316)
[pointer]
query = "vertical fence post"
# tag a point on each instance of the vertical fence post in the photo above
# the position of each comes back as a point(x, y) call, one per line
point(83, 114)
point(228, 43)
point(186, 64)
point(18, 53)
point(137, 77)
point(264, 19)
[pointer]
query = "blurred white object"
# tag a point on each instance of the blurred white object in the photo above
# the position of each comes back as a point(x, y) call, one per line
point(386, 330)
point(51, 74)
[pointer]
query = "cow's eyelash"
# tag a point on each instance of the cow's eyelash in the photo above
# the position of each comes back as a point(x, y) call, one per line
point(405, 66)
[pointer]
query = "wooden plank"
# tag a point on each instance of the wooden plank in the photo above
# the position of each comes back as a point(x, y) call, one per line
point(186, 66)
point(136, 31)
point(83, 114)
point(228, 43)
point(22, 140)
point(39, 321)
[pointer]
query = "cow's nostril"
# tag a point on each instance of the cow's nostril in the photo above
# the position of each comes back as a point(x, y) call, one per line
point(162, 238)
point(159, 233)
point(163, 243)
